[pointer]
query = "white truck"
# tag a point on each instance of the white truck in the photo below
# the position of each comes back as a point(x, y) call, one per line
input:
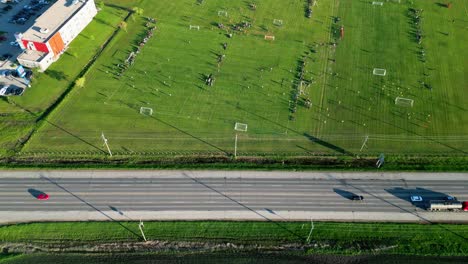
point(447, 205)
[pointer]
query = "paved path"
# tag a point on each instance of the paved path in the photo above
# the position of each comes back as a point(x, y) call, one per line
point(133, 195)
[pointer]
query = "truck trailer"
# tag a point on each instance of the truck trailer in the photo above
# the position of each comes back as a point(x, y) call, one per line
point(444, 205)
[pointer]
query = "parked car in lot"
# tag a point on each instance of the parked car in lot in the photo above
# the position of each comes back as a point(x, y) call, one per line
point(4, 73)
point(29, 74)
point(3, 89)
point(9, 90)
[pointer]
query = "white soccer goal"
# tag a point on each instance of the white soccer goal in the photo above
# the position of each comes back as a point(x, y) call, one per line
point(146, 111)
point(194, 27)
point(394, 1)
point(278, 22)
point(377, 3)
point(240, 127)
point(379, 72)
point(222, 13)
point(269, 37)
point(406, 102)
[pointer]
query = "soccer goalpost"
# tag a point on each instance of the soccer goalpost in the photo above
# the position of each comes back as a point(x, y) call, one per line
point(222, 13)
point(406, 102)
point(240, 127)
point(278, 22)
point(148, 111)
point(269, 37)
point(379, 72)
point(194, 27)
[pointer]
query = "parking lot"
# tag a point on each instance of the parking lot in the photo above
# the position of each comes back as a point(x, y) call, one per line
point(15, 16)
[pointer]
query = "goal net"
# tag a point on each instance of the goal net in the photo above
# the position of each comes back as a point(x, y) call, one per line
point(268, 37)
point(377, 3)
point(400, 101)
point(240, 127)
point(222, 13)
point(278, 22)
point(379, 72)
point(146, 111)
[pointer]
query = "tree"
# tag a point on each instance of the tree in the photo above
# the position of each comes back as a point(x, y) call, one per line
point(80, 82)
point(123, 26)
point(138, 10)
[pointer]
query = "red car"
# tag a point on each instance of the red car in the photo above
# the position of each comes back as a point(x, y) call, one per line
point(465, 206)
point(43, 196)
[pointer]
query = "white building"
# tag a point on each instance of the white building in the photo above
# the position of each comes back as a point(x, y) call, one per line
point(53, 31)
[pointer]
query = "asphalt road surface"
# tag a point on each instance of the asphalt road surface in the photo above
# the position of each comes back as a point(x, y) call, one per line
point(225, 195)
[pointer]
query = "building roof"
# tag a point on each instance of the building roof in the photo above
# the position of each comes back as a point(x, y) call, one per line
point(32, 55)
point(52, 19)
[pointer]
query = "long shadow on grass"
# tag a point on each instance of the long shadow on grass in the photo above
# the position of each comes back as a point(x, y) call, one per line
point(90, 205)
point(39, 117)
point(188, 134)
point(308, 136)
point(344, 182)
point(77, 137)
point(327, 144)
point(298, 236)
point(373, 118)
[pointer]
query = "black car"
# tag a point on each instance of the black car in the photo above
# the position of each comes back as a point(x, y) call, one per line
point(357, 198)
point(29, 74)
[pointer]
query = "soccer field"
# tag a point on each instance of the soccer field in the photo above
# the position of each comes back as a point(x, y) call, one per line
point(311, 90)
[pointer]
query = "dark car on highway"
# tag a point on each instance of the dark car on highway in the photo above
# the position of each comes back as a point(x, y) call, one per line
point(357, 198)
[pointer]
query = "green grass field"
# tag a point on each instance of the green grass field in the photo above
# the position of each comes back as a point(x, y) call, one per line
point(256, 83)
point(221, 257)
point(19, 114)
point(342, 238)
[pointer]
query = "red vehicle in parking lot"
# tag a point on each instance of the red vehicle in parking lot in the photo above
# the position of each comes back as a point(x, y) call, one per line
point(465, 206)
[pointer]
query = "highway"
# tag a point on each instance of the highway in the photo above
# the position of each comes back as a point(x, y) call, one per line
point(104, 195)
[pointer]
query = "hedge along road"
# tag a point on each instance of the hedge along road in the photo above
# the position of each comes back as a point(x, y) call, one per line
point(225, 195)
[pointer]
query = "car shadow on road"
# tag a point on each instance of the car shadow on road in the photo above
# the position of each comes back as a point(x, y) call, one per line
point(271, 211)
point(35, 193)
point(362, 190)
point(426, 194)
point(345, 194)
point(92, 206)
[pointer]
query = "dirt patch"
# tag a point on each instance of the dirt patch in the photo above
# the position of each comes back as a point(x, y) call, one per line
point(189, 246)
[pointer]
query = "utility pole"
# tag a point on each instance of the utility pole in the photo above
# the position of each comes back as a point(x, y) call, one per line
point(364, 144)
point(311, 229)
point(140, 226)
point(105, 143)
point(235, 147)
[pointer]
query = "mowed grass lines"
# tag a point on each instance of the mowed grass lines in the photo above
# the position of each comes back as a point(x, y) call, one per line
point(257, 80)
point(253, 84)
